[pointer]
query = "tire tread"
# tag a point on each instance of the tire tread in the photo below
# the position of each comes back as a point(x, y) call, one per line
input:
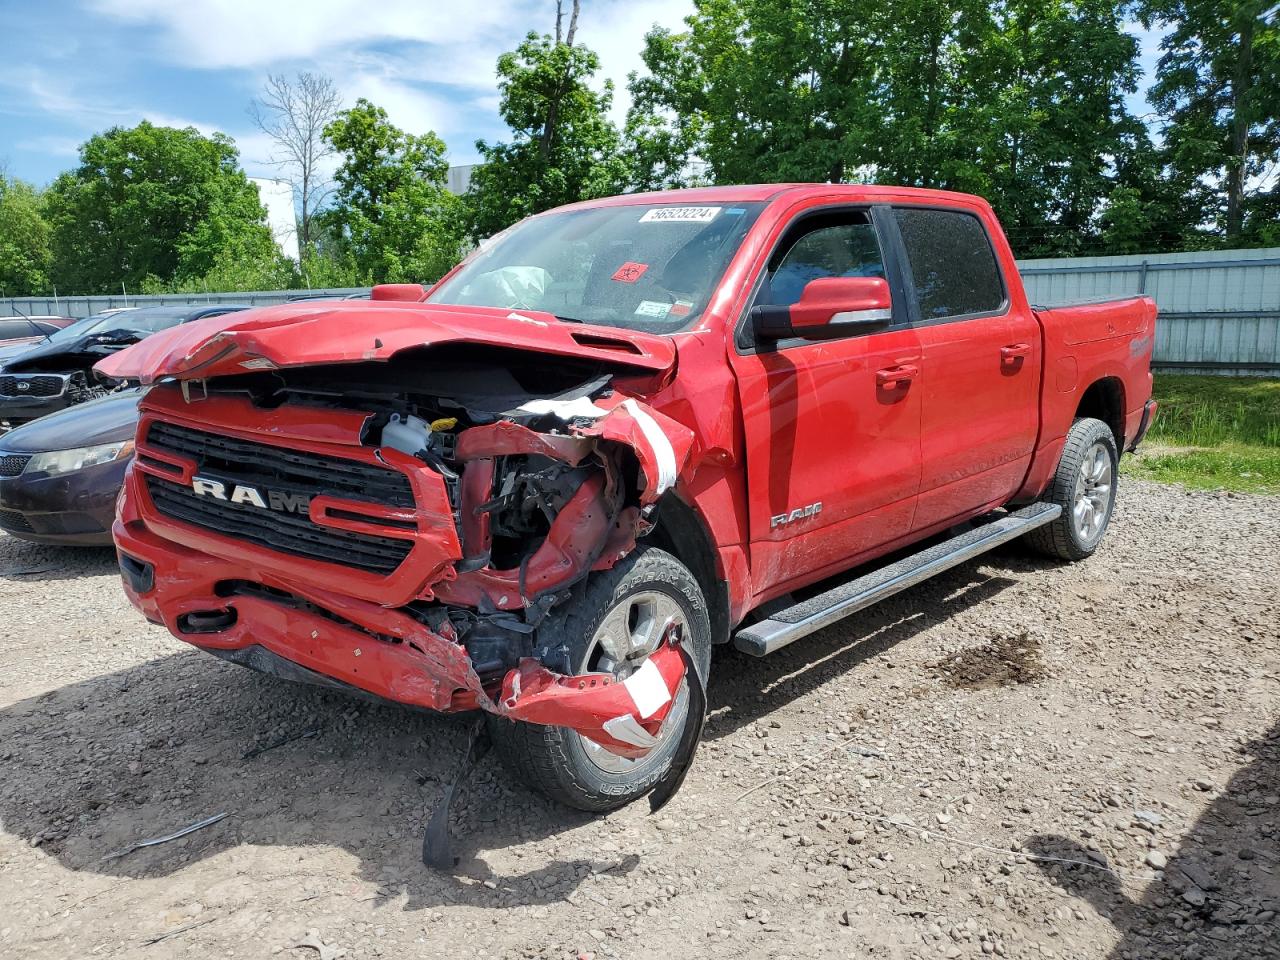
point(1056, 539)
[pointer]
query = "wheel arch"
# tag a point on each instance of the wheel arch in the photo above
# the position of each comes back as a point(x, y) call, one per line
point(679, 530)
point(1104, 400)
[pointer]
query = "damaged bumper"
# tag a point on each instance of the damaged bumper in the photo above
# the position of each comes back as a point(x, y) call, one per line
point(335, 638)
point(396, 616)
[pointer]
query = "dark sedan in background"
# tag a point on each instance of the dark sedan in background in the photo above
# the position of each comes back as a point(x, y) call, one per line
point(57, 372)
point(25, 329)
point(60, 475)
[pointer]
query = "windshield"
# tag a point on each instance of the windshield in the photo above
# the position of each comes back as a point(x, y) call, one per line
point(128, 322)
point(95, 323)
point(648, 267)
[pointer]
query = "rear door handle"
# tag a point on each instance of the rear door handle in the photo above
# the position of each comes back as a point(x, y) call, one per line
point(890, 377)
point(1015, 350)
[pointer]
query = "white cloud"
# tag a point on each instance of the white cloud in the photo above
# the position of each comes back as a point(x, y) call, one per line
point(430, 65)
point(251, 33)
point(616, 33)
point(50, 145)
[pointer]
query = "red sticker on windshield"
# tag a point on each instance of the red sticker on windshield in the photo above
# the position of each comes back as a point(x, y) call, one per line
point(630, 272)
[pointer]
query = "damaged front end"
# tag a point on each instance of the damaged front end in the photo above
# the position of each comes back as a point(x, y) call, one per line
point(401, 521)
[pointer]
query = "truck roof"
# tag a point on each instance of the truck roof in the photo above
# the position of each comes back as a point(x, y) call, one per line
point(742, 193)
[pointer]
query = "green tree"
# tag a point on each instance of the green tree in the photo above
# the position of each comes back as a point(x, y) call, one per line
point(24, 239)
point(1218, 87)
point(392, 218)
point(153, 202)
point(1021, 101)
point(564, 147)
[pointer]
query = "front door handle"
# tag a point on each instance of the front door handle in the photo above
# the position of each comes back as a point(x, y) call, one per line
point(1015, 350)
point(892, 377)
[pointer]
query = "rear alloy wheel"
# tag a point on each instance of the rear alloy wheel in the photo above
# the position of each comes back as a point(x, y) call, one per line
point(1084, 485)
point(613, 626)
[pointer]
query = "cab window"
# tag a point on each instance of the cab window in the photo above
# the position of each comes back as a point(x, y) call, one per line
point(952, 266)
point(842, 245)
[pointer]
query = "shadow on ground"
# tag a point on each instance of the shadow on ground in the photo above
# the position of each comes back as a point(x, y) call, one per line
point(94, 767)
point(25, 562)
point(1219, 895)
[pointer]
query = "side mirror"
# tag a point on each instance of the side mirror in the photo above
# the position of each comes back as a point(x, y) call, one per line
point(829, 307)
point(407, 292)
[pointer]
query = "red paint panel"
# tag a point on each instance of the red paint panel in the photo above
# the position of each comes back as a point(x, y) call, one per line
point(980, 413)
point(352, 331)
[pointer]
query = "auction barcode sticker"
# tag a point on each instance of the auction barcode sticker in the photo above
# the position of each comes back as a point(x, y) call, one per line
point(680, 215)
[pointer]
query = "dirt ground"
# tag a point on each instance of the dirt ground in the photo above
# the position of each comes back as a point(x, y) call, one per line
point(915, 770)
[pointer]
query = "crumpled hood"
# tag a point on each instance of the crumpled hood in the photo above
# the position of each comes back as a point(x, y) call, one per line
point(348, 332)
point(80, 353)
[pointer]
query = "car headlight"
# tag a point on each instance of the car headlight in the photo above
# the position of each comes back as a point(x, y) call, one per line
point(68, 461)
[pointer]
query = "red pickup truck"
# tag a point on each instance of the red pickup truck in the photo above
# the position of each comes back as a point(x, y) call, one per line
point(617, 434)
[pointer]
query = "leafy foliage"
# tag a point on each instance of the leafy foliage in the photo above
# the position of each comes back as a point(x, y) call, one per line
point(24, 240)
point(393, 221)
point(153, 202)
point(564, 147)
point(1021, 101)
point(1218, 88)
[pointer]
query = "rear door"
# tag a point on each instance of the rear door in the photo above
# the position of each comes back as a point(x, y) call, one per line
point(832, 450)
point(980, 365)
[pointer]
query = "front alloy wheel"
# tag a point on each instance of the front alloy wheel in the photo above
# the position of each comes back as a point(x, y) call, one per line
point(611, 626)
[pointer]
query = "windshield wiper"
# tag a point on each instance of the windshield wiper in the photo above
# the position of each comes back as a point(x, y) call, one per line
point(568, 319)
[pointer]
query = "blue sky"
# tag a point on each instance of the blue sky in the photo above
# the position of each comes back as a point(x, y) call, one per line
point(91, 64)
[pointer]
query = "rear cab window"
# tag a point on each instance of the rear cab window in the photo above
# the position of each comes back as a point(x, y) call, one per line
point(951, 265)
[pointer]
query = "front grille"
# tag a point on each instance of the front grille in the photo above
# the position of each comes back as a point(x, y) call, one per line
point(264, 466)
point(38, 385)
point(12, 464)
point(14, 521)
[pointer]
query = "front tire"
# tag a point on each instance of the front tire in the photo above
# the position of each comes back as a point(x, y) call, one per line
point(1084, 485)
point(612, 625)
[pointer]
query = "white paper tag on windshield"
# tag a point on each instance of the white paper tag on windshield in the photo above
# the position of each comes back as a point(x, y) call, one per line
point(680, 215)
point(653, 308)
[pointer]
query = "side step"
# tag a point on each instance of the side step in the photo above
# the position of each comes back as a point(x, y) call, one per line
point(784, 626)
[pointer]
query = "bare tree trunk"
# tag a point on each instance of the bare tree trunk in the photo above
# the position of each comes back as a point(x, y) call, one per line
point(294, 113)
point(1239, 131)
point(573, 22)
point(553, 108)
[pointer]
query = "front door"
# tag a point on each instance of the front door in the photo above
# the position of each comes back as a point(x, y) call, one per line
point(832, 428)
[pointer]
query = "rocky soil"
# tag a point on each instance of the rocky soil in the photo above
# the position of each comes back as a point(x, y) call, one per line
point(1019, 759)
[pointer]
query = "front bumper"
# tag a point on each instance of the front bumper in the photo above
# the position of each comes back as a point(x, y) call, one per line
point(71, 509)
point(302, 632)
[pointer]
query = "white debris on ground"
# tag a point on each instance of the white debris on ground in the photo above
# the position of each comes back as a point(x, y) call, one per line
point(971, 744)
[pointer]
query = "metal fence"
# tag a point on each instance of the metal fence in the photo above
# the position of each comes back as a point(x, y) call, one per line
point(85, 306)
point(1219, 310)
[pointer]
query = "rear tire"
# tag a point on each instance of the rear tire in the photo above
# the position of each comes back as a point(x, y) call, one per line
point(648, 585)
point(1084, 485)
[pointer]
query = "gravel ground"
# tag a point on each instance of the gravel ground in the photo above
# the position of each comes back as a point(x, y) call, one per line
point(910, 767)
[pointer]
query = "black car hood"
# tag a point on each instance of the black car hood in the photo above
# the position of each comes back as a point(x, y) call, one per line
point(11, 350)
point(79, 354)
point(108, 419)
